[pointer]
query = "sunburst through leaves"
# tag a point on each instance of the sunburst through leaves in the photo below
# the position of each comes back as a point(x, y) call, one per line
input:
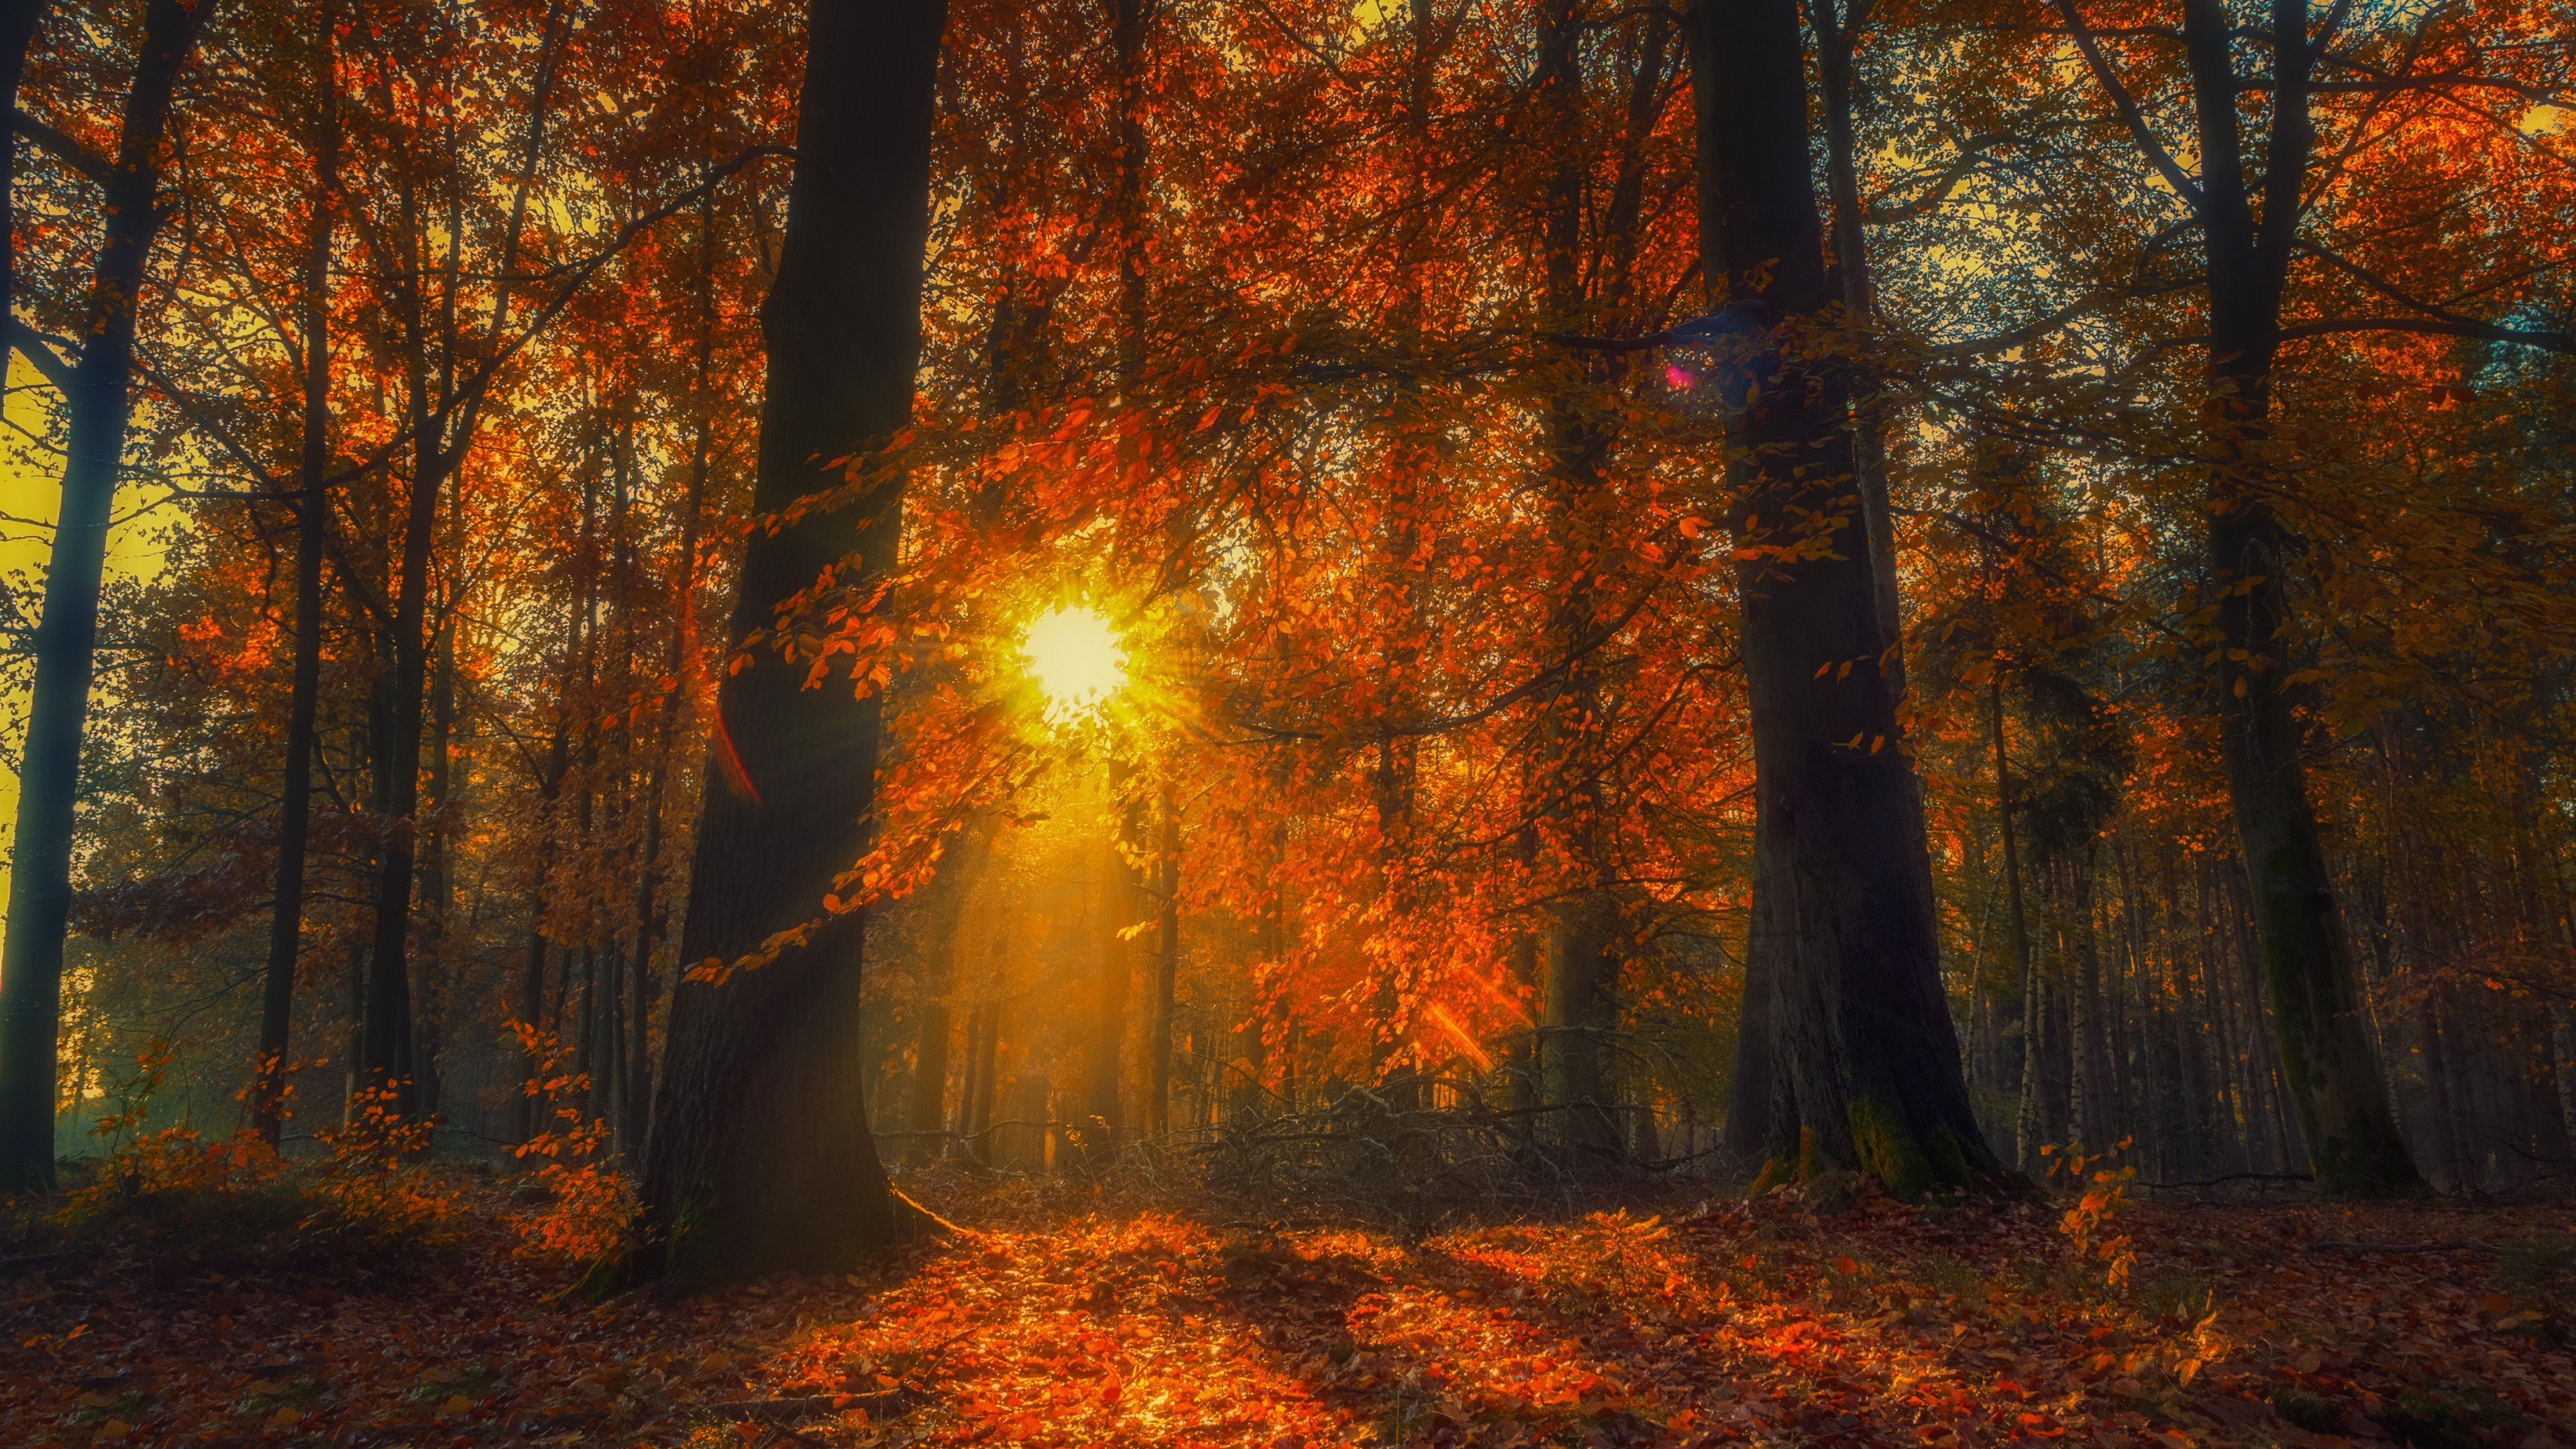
point(1077, 658)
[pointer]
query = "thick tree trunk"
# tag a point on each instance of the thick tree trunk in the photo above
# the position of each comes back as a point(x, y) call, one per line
point(1760, 1116)
point(312, 520)
point(66, 643)
point(761, 1158)
point(1869, 1052)
point(1581, 1009)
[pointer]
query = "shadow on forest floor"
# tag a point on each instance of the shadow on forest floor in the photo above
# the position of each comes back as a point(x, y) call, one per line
point(1062, 1318)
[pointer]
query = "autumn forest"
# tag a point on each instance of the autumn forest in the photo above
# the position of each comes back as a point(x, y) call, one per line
point(1245, 722)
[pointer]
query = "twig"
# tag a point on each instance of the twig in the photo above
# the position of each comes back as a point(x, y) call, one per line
point(944, 1224)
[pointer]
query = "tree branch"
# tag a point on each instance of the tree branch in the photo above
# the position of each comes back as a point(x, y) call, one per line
point(38, 349)
point(62, 148)
point(2127, 106)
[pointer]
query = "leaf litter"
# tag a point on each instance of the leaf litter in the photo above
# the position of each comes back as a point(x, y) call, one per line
point(1081, 1322)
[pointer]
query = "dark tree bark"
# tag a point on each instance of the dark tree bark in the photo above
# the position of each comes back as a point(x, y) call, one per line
point(18, 22)
point(649, 908)
point(99, 401)
point(1867, 1047)
point(1760, 1116)
point(761, 1158)
point(2033, 1015)
point(2353, 1144)
point(384, 1032)
point(532, 990)
point(1836, 40)
point(312, 519)
point(2333, 1077)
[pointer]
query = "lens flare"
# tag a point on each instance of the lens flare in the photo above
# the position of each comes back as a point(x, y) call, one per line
point(1077, 659)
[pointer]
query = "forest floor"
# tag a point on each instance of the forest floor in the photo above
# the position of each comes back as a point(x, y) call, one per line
point(1058, 1318)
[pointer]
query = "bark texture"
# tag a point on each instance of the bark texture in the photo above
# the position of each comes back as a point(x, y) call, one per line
point(18, 22)
point(1867, 1055)
point(761, 1158)
point(2332, 1074)
point(312, 518)
point(99, 402)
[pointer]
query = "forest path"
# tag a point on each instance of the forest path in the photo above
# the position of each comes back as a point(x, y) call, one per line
point(1724, 1322)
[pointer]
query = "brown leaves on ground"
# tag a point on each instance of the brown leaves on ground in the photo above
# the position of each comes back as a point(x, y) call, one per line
point(1720, 1323)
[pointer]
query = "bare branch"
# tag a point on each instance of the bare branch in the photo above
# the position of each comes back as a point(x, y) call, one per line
point(62, 148)
point(2127, 106)
point(39, 351)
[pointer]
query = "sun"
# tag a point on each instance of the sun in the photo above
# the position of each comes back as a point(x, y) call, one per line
point(1077, 659)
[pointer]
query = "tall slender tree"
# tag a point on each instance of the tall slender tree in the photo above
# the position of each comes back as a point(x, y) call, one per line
point(312, 524)
point(98, 393)
point(2249, 223)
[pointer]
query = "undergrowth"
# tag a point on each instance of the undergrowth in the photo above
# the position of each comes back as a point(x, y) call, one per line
point(178, 1196)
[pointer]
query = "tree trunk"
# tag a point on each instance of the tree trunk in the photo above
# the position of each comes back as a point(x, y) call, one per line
point(532, 1003)
point(436, 890)
point(761, 1159)
point(983, 1050)
point(2026, 1118)
point(2334, 1080)
point(17, 33)
point(1167, 970)
point(1760, 1116)
point(66, 643)
point(2562, 1052)
point(1870, 1053)
point(946, 913)
point(312, 520)
point(1581, 970)
point(1104, 1055)
point(649, 908)
point(1835, 42)
point(384, 1036)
